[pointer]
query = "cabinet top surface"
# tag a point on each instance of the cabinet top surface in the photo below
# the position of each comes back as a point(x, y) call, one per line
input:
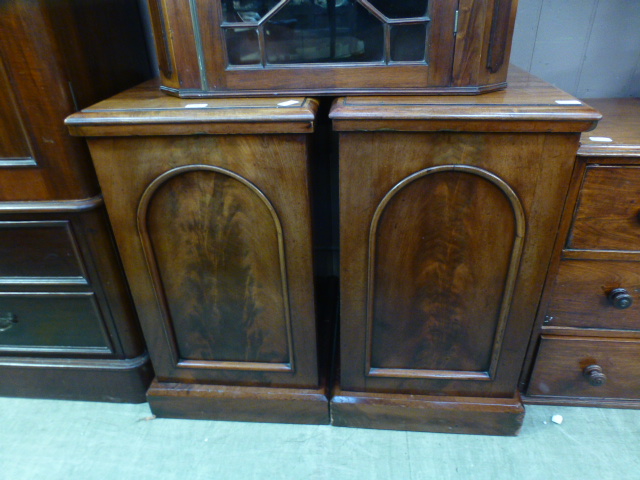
point(527, 104)
point(145, 110)
point(618, 133)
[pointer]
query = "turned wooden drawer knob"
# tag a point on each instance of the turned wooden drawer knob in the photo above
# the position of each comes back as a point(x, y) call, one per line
point(595, 376)
point(7, 320)
point(620, 298)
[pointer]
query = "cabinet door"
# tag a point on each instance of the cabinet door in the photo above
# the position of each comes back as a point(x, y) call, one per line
point(322, 46)
point(216, 241)
point(445, 241)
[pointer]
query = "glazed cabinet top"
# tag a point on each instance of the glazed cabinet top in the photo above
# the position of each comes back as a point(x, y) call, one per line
point(528, 105)
point(319, 47)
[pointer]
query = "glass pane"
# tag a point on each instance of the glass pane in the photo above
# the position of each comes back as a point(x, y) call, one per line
point(243, 47)
point(246, 10)
point(403, 9)
point(324, 31)
point(408, 43)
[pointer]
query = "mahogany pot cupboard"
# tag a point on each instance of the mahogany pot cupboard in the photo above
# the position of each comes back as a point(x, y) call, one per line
point(331, 47)
point(68, 328)
point(210, 207)
point(449, 208)
point(587, 338)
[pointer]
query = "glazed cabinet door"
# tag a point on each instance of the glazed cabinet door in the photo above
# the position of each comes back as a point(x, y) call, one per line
point(215, 236)
point(445, 241)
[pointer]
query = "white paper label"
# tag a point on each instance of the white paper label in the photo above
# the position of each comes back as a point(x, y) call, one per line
point(601, 139)
point(568, 102)
point(288, 103)
point(196, 105)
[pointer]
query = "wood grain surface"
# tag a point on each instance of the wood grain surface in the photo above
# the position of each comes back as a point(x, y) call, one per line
point(607, 212)
point(231, 239)
point(561, 361)
point(442, 253)
point(528, 105)
point(423, 413)
point(58, 57)
point(536, 167)
point(580, 295)
point(239, 404)
point(218, 250)
point(620, 123)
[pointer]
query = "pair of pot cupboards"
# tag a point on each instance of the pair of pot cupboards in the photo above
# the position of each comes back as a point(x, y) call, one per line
point(448, 209)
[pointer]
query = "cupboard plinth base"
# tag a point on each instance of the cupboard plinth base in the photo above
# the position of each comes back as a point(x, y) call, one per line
point(241, 404)
point(95, 380)
point(423, 413)
point(583, 402)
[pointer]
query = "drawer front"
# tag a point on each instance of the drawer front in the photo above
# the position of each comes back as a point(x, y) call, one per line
point(40, 252)
point(596, 294)
point(607, 214)
point(52, 322)
point(586, 367)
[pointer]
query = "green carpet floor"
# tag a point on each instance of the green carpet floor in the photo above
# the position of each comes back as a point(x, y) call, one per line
point(51, 440)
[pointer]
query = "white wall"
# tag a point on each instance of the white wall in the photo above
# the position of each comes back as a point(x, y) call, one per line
point(590, 48)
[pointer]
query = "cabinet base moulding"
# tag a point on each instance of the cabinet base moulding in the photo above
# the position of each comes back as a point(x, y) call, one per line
point(241, 404)
point(107, 380)
point(423, 413)
point(582, 402)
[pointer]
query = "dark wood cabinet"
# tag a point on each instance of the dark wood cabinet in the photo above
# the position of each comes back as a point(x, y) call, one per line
point(590, 320)
point(210, 206)
point(320, 47)
point(67, 323)
point(448, 214)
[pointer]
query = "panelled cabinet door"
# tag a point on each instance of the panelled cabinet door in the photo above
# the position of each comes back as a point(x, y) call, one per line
point(218, 253)
point(443, 259)
point(444, 249)
point(213, 245)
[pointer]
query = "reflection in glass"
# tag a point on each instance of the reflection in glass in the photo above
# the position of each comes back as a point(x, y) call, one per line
point(312, 31)
point(285, 32)
point(243, 47)
point(408, 42)
point(246, 10)
point(401, 9)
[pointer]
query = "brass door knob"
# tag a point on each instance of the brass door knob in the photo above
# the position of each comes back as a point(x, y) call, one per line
point(595, 375)
point(7, 320)
point(620, 298)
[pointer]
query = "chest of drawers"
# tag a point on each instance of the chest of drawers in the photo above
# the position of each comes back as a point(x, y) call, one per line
point(589, 328)
point(68, 328)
